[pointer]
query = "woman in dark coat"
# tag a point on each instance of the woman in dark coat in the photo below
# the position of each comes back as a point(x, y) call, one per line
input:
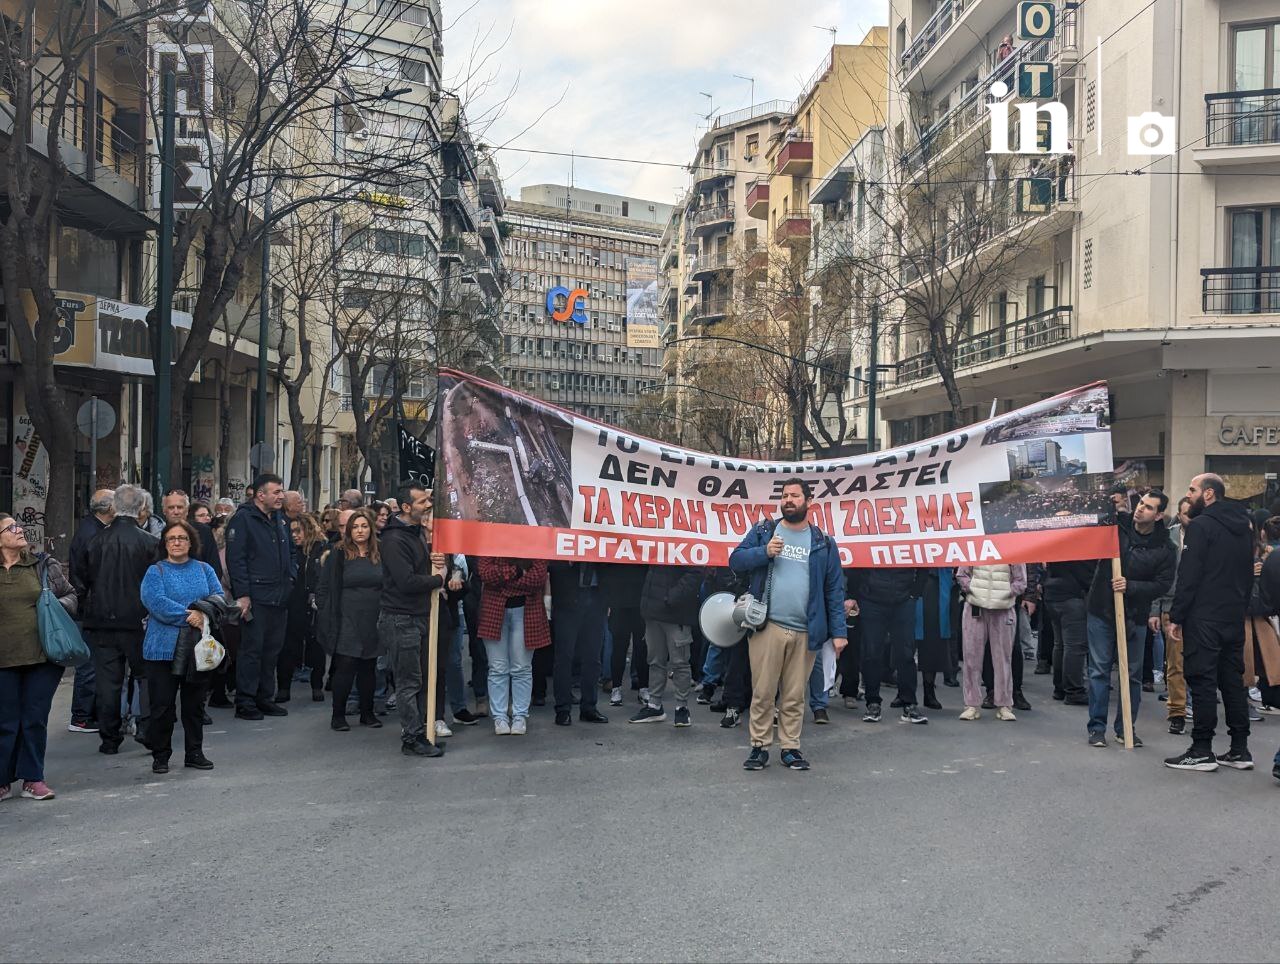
point(347, 598)
point(934, 632)
point(300, 647)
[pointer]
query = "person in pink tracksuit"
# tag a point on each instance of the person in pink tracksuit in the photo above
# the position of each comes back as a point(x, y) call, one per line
point(990, 595)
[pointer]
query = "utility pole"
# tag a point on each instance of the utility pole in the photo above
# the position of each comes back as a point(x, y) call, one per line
point(164, 296)
point(873, 379)
point(264, 320)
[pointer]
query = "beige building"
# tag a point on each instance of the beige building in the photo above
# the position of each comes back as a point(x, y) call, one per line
point(1160, 283)
point(600, 364)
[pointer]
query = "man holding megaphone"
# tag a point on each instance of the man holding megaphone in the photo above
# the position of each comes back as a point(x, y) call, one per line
point(794, 571)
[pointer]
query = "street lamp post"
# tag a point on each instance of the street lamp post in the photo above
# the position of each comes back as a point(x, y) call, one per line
point(264, 319)
point(164, 294)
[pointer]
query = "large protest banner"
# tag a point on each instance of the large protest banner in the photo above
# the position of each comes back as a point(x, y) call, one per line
point(519, 477)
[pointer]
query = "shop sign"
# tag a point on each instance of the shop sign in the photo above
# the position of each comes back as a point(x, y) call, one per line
point(1233, 432)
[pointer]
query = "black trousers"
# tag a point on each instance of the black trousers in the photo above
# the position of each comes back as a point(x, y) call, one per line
point(1044, 648)
point(348, 670)
point(164, 689)
point(579, 633)
point(626, 626)
point(114, 651)
point(301, 648)
point(544, 660)
point(849, 662)
point(1212, 660)
point(261, 640)
point(737, 677)
point(1071, 647)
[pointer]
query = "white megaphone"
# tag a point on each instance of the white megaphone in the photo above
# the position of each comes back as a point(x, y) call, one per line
point(716, 617)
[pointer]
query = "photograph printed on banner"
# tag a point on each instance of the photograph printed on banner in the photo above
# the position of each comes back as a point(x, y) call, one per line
point(507, 459)
point(1084, 411)
point(1035, 458)
point(1047, 502)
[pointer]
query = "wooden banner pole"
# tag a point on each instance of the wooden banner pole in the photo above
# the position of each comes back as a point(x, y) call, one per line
point(1122, 654)
point(433, 640)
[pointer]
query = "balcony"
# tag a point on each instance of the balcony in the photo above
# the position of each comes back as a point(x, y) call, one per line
point(706, 175)
point(692, 284)
point(1033, 333)
point(1241, 127)
point(709, 265)
point(1240, 291)
point(452, 191)
point(670, 258)
point(459, 247)
point(795, 156)
point(792, 228)
point(488, 225)
point(707, 220)
point(489, 277)
point(758, 199)
point(839, 242)
point(709, 310)
point(490, 182)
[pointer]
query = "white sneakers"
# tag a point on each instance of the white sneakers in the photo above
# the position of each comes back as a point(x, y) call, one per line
point(615, 697)
point(971, 713)
point(518, 726)
point(442, 730)
point(1005, 714)
point(501, 727)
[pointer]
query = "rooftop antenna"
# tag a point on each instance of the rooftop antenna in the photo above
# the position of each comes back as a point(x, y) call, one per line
point(830, 30)
point(752, 102)
point(711, 106)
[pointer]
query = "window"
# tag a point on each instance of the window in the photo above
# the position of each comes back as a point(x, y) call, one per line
point(400, 10)
point(1255, 57)
point(413, 70)
point(753, 145)
point(1255, 243)
point(625, 211)
point(88, 263)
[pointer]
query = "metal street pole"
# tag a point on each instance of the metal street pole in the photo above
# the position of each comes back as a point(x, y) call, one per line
point(264, 318)
point(164, 295)
point(873, 380)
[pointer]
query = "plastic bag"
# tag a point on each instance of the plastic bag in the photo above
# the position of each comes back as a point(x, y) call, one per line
point(208, 654)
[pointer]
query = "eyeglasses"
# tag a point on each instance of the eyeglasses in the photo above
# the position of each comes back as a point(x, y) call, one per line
point(177, 539)
point(11, 527)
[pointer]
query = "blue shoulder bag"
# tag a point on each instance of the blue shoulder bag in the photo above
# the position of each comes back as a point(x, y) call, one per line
point(59, 637)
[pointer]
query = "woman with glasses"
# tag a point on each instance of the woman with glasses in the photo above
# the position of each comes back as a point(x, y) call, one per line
point(169, 588)
point(27, 679)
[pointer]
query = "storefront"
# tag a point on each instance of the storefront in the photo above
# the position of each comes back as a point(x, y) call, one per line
point(1245, 451)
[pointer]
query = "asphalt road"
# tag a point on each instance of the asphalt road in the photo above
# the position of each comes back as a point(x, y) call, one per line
point(952, 841)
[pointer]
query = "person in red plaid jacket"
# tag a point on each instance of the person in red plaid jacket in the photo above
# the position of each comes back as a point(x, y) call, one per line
point(513, 623)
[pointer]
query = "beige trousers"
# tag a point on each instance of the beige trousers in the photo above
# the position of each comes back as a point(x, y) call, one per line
point(780, 667)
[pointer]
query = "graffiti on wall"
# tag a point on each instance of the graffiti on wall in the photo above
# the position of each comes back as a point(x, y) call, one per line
point(202, 478)
point(30, 479)
point(235, 490)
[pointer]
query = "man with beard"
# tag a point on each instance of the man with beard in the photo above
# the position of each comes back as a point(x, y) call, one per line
point(1215, 577)
point(800, 566)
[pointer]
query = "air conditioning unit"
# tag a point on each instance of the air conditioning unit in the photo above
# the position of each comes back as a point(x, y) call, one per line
point(554, 384)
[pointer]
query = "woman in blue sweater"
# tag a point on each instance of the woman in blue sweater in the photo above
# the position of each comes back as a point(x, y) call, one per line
point(168, 589)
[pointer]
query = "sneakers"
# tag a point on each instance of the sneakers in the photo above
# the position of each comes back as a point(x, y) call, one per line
point(37, 790)
point(1137, 740)
point(650, 714)
point(519, 726)
point(912, 715)
point(1255, 694)
point(1043, 668)
point(82, 726)
point(501, 727)
point(732, 717)
point(988, 702)
point(615, 696)
point(1267, 710)
point(682, 716)
point(644, 694)
point(757, 760)
point(1236, 759)
point(200, 762)
point(467, 718)
point(971, 713)
point(340, 724)
point(820, 716)
point(390, 703)
point(872, 715)
point(1097, 738)
point(1005, 714)
point(442, 730)
point(850, 703)
point(705, 694)
point(6, 791)
point(420, 747)
point(792, 760)
point(1254, 715)
point(1177, 725)
point(1193, 759)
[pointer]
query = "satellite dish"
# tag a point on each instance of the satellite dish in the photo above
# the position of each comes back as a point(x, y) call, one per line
point(717, 622)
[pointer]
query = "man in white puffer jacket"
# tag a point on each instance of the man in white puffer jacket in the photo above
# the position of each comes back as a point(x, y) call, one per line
point(990, 595)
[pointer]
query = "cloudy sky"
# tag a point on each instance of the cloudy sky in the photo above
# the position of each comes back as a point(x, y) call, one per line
point(623, 78)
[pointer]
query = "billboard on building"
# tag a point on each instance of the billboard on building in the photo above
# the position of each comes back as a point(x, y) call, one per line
point(642, 303)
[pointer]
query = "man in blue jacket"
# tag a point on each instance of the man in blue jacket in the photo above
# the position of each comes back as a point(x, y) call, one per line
point(261, 565)
point(806, 607)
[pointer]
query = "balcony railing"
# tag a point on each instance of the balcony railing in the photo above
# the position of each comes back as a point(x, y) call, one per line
point(1242, 117)
point(708, 172)
point(710, 308)
point(757, 110)
point(704, 217)
point(795, 156)
point(792, 226)
point(943, 19)
point(451, 189)
point(710, 263)
point(1240, 291)
point(1041, 330)
point(758, 198)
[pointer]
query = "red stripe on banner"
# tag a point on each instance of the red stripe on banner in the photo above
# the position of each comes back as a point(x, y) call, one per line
point(570, 545)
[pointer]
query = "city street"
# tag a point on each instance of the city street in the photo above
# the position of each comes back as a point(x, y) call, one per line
point(951, 841)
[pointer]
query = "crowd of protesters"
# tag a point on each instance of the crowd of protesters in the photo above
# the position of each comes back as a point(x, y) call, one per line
point(338, 603)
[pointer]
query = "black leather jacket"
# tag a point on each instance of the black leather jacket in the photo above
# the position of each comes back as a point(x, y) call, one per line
point(117, 560)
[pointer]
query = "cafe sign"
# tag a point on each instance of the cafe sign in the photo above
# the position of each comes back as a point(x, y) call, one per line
point(1234, 432)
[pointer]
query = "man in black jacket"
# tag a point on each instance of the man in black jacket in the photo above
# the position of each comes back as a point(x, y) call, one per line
point(886, 605)
point(117, 560)
point(410, 573)
point(1146, 571)
point(577, 627)
point(1215, 578)
point(101, 511)
point(261, 564)
point(669, 605)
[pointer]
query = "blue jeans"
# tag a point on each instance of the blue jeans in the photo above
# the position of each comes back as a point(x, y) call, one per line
point(713, 666)
point(82, 702)
point(817, 691)
point(893, 625)
point(26, 696)
point(1102, 657)
point(454, 683)
point(510, 669)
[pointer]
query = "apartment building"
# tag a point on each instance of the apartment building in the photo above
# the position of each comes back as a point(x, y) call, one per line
point(593, 359)
point(585, 201)
point(1160, 282)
